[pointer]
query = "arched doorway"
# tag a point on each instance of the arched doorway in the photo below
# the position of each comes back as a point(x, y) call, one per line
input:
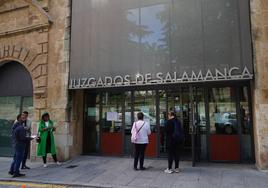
point(16, 95)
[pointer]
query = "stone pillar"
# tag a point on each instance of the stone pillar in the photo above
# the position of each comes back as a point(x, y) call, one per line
point(76, 122)
point(58, 72)
point(259, 20)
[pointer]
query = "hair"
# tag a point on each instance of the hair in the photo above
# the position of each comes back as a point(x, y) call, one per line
point(140, 116)
point(172, 113)
point(25, 112)
point(18, 117)
point(45, 114)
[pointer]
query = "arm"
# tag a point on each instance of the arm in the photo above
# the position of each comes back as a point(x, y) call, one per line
point(21, 135)
point(133, 128)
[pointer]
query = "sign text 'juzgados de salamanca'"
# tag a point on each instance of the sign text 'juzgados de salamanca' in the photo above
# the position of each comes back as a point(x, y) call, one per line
point(233, 73)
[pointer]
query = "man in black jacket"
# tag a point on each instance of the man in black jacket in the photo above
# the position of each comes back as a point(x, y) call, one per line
point(174, 136)
point(19, 141)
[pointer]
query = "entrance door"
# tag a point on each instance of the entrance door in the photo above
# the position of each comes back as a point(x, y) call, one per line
point(198, 125)
point(91, 133)
point(179, 102)
point(145, 102)
point(112, 122)
point(189, 106)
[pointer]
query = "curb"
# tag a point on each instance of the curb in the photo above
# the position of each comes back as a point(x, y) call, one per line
point(54, 183)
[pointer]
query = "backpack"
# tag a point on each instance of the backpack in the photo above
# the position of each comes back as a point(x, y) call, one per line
point(178, 134)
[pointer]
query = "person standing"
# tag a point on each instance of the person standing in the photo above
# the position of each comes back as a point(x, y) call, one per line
point(19, 141)
point(174, 136)
point(141, 129)
point(47, 143)
point(27, 126)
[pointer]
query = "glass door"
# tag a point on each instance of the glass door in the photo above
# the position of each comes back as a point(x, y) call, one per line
point(128, 150)
point(178, 101)
point(145, 101)
point(112, 123)
point(198, 125)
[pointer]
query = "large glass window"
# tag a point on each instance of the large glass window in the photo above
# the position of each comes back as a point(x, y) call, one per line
point(222, 111)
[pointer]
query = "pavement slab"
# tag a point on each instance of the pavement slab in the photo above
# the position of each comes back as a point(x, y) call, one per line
point(96, 171)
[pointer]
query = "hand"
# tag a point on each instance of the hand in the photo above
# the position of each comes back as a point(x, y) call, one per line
point(44, 129)
point(54, 128)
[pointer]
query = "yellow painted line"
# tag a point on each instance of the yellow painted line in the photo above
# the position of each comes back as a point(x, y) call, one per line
point(30, 185)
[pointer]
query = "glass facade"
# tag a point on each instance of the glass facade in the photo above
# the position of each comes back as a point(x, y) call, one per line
point(127, 37)
point(215, 120)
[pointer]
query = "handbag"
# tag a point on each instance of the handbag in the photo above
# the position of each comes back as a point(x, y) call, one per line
point(134, 135)
point(38, 139)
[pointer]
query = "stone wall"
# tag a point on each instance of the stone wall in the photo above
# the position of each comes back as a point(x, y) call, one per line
point(259, 20)
point(36, 34)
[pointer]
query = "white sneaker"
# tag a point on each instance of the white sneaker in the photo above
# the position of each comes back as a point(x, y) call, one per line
point(168, 171)
point(58, 163)
point(176, 170)
point(45, 165)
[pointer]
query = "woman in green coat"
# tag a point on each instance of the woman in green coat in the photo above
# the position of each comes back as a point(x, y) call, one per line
point(47, 143)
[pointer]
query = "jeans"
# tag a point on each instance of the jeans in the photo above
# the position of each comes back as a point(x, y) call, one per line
point(26, 152)
point(139, 154)
point(17, 159)
point(11, 170)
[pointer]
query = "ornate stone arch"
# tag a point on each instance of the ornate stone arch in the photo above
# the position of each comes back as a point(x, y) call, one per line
point(35, 63)
point(24, 38)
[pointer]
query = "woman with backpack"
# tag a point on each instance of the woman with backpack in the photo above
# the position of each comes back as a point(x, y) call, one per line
point(140, 131)
point(174, 136)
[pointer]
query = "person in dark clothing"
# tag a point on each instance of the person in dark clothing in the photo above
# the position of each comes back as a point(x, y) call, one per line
point(27, 126)
point(19, 140)
point(174, 141)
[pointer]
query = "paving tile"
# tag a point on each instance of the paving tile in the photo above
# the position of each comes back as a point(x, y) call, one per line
point(118, 172)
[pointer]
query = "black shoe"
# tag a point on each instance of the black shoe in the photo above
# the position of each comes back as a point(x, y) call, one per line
point(11, 173)
point(142, 168)
point(135, 168)
point(18, 175)
point(25, 167)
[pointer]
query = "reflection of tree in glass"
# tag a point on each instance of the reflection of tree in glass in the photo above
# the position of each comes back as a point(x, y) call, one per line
point(136, 31)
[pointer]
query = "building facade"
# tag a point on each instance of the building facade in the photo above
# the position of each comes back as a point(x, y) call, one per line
point(94, 64)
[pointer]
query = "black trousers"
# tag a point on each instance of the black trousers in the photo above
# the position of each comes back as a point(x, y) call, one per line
point(26, 152)
point(54, 158)
point(139, 154)
point(173, 155)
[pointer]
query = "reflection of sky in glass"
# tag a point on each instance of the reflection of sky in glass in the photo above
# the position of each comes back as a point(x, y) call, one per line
point(149, 19)
point(150, 22)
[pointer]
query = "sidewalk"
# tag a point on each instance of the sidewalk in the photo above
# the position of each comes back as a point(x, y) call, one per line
point(95, 171)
